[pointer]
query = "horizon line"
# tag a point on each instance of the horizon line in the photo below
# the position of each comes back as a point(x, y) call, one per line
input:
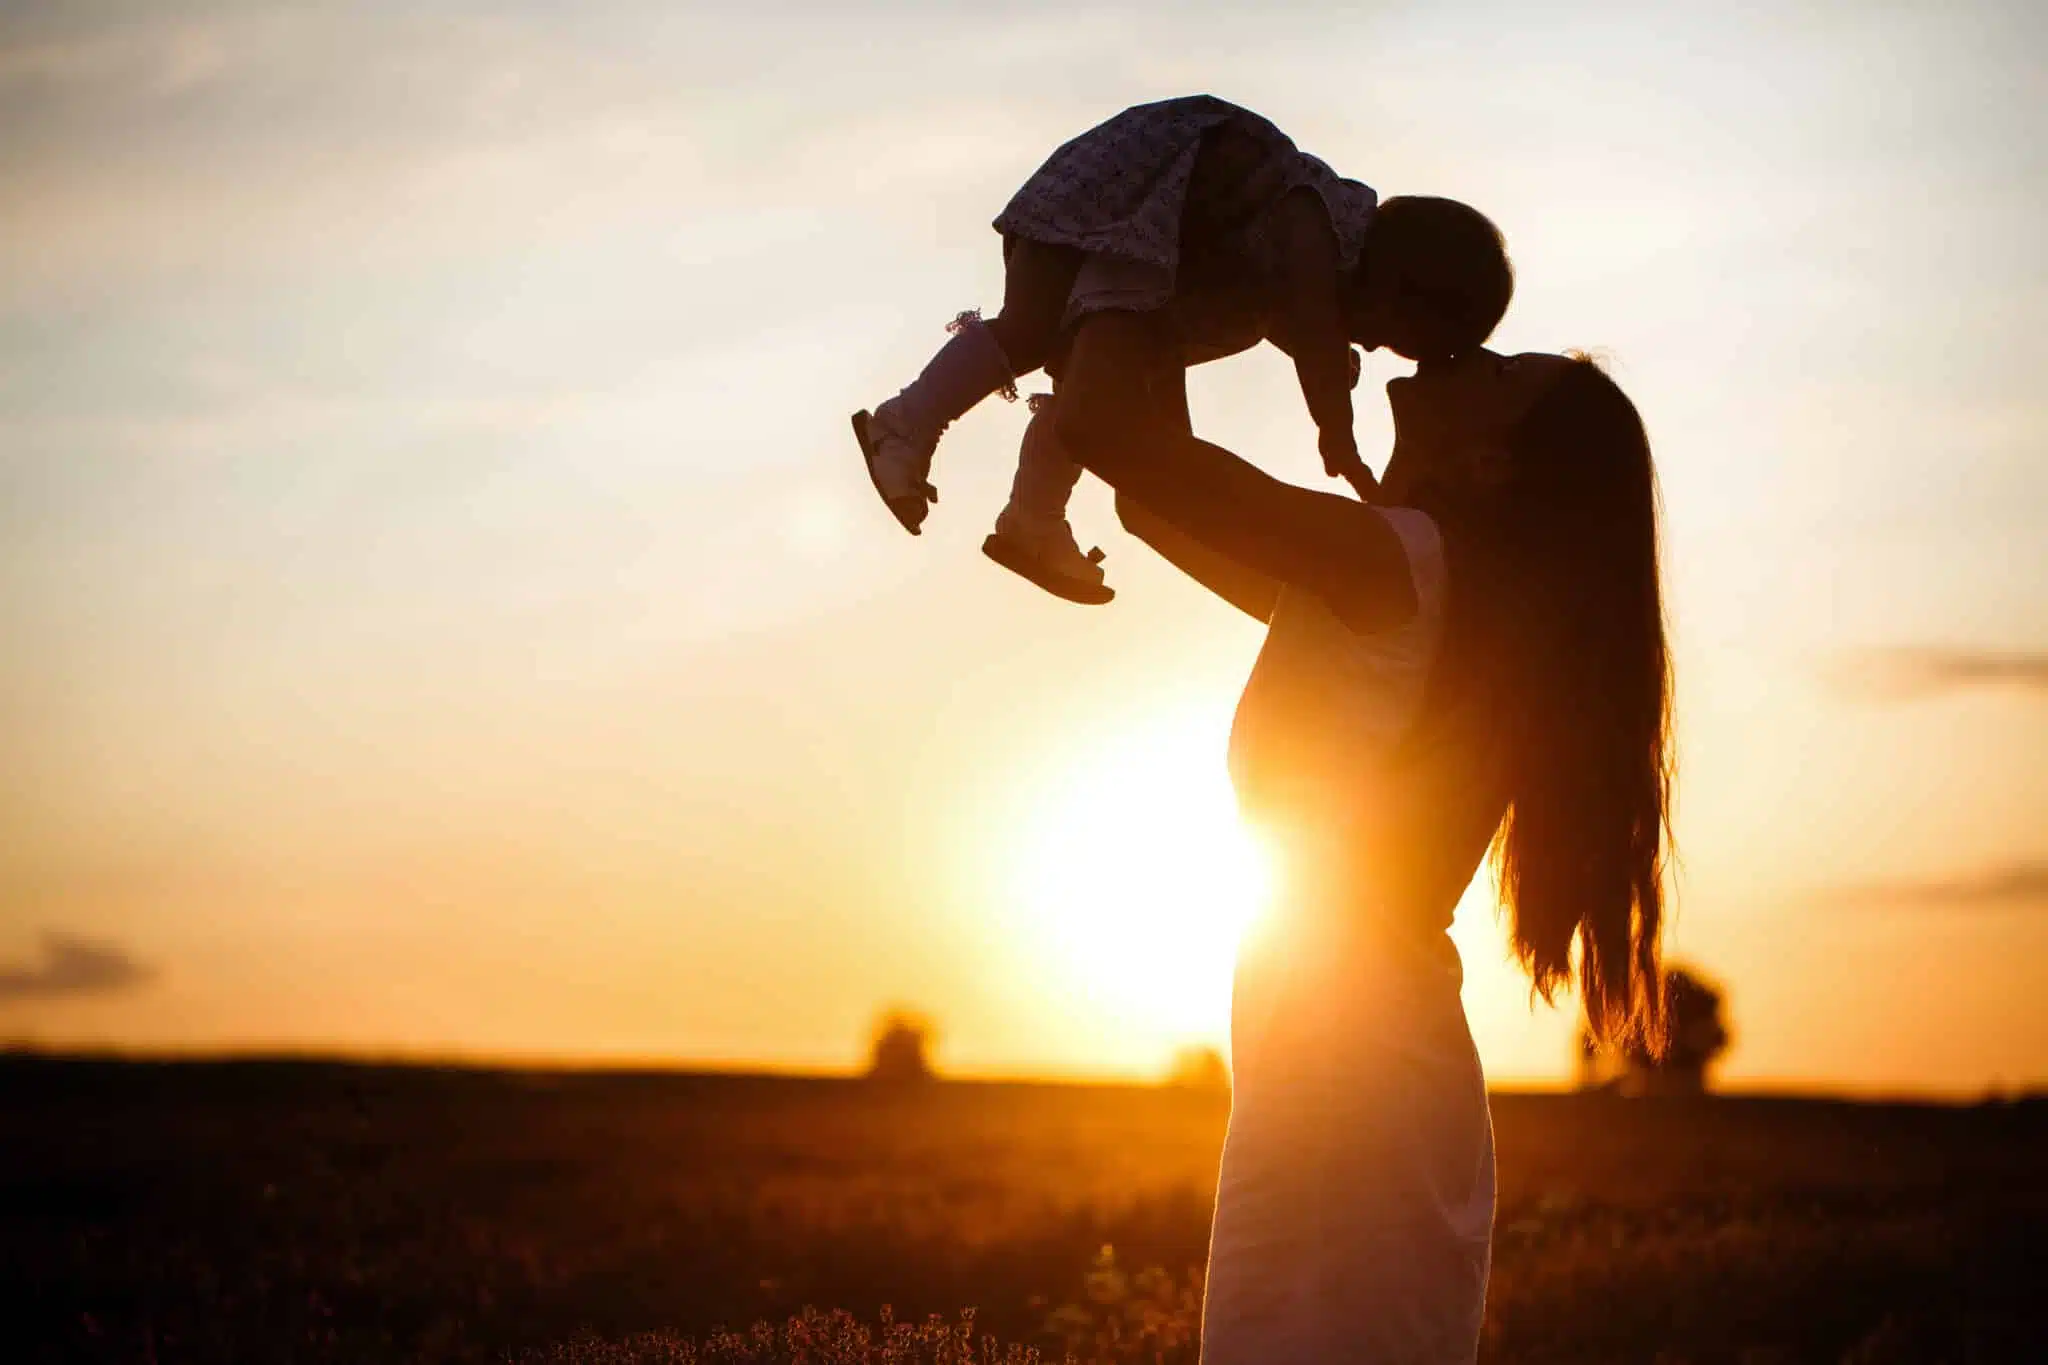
point(600, 1065)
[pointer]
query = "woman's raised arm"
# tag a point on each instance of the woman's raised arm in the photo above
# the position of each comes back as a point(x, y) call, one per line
point(1250, 591)
point(1117, 417)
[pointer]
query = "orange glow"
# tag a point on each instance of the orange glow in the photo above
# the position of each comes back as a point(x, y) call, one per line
point(1137, 878)
point(443, 613)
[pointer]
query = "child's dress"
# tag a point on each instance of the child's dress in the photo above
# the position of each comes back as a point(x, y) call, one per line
point(1127, 193)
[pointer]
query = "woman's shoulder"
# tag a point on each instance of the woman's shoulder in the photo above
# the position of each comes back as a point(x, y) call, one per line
point(1421, 548)
point(1421, 538)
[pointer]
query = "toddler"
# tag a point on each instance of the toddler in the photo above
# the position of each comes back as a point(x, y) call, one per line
point(1208, 217)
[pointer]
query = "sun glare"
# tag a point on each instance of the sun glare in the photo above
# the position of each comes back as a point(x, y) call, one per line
point(1139, 879)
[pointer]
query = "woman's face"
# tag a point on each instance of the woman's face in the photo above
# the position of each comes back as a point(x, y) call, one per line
point(1453, 418)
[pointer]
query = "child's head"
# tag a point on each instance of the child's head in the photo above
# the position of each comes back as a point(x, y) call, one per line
point(1433, 281)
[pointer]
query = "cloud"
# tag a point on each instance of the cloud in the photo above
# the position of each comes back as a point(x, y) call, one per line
point(73, 966)
point(2015, 886)
point(1916, 672)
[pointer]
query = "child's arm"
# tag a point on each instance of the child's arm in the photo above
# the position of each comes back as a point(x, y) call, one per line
point(1310, 328)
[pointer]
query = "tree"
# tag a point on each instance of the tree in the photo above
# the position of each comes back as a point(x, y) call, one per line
point(901, 1051)
point(1698, 1035)
point(1199, 1068)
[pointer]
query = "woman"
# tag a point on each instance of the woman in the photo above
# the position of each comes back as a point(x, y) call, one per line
point(1484, 668)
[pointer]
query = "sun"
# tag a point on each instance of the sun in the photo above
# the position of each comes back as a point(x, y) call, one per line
point(1138, 879)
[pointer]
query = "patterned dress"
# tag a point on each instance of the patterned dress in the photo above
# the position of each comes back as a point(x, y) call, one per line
point(1163, 227)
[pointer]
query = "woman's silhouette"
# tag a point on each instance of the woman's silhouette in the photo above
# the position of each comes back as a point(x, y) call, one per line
point(1483, 667)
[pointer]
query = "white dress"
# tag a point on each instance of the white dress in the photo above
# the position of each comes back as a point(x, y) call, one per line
point(1354, 1209)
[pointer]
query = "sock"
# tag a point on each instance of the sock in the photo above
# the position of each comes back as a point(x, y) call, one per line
point(1046, 474)
point(966, 370)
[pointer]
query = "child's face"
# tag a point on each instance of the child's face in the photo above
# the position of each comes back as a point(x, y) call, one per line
point(1379, 312)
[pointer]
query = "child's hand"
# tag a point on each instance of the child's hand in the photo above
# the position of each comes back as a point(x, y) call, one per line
point(1341, 461)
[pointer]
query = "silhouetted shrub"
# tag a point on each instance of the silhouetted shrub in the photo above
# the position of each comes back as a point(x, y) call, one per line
point(901, 1051)
point(1199, 1068)
point(1698, 1036)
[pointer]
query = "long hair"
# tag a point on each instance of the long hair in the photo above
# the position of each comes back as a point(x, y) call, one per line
point(1578, 688)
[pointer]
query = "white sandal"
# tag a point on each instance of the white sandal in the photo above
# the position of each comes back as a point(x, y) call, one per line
point(1047, 553)
point(895, 467)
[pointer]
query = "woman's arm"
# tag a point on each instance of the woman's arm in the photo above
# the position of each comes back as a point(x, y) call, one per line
point(1117, 417)
point(1246, 589)
point(1250, 591)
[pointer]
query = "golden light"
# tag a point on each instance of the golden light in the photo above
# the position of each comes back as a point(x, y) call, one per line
point(1137, 878)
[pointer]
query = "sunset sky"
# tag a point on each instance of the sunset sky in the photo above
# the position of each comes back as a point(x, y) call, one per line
point(441, 612)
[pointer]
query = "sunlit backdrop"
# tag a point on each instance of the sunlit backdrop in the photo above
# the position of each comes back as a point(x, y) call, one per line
point(442, 615)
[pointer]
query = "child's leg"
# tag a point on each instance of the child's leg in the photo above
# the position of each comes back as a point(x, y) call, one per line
point(1037, 280)
point(982, 358)
point(1046, 474)
point(1032, 536)
point(1123, 401)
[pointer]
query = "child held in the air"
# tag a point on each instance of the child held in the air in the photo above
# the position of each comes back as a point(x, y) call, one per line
point(1210, 220)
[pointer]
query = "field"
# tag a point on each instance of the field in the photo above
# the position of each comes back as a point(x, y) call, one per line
point(310, 1212)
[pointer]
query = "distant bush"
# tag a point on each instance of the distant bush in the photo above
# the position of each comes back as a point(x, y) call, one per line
point(1698, 1036)
point(901, 1051)
point(1199, 1068)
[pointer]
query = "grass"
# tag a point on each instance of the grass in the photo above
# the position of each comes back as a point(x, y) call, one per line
point(305, 1212)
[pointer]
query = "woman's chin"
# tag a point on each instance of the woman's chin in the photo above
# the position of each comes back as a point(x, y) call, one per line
point(1401, 398)
point(1404, 465)
point(1398, 395)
